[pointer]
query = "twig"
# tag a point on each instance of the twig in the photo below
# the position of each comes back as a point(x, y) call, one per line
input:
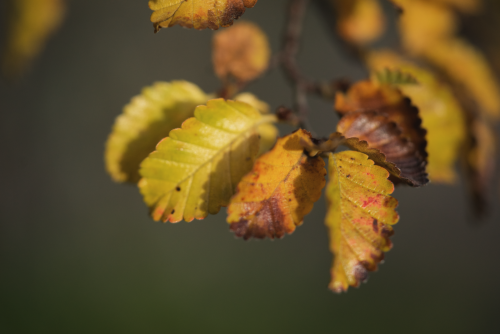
point(288, 59)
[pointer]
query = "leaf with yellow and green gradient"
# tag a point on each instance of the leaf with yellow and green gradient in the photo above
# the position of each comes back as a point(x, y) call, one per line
point(195, 170)
point(359, 218)
point(147, 119)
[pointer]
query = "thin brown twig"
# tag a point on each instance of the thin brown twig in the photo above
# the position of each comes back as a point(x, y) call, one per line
point(288, 60)
point(288, 57)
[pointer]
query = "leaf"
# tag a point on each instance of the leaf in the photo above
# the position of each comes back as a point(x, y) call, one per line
point(268, 132)
point(252, 100)
point(359, 218)
point(280, 190)
point(366, 131)
point(394, 77)
point(360, 21)
point(241, 51)
point(145, 121)
point(195, 170)
point(466, 66)
point(434, 39)
point(32, 22)
point(418, 34)
point(409, 152)
point(198, 14)
point(442, 115)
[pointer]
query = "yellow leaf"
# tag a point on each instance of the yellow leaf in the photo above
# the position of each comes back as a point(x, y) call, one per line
point(359, 218)
point(198, 14)
point(280, 190)
point(424, 24)
point(360, 21)
point(441, 114)
point(195, 170)
point(145, 121)
point(468, 67)
point(241, 51)
point(31, 24)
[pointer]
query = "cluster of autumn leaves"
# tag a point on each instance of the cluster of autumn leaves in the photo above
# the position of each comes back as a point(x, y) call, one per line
point(423, 108)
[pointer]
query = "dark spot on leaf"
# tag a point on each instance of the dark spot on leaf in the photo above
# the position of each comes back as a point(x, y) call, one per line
point(173, 211)
point(178, 188)
point(360, 273)
point(375, 225)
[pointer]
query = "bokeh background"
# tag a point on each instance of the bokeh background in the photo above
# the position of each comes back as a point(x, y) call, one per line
point(79, 254)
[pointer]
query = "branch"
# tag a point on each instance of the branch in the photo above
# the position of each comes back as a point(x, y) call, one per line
point(288, 59)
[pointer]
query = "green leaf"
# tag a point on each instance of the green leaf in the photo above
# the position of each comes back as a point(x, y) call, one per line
point(145, 121)
point(195, 170)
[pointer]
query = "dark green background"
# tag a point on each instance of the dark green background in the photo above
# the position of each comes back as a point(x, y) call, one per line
point(78, 253)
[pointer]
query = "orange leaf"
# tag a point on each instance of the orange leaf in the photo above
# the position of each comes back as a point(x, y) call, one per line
point(198, 14)
point(241, 51)
point(359, 218)
point(280, 190)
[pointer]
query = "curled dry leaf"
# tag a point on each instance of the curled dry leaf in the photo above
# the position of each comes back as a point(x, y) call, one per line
point(32, 22)
point(241, 51)
point(360, 21)
point(390, 106)
point(366, 131)
point(442, 115)
point(147, 119)
point(197, 14)
point(195, 170)
point(281, 189)
point(359, 218)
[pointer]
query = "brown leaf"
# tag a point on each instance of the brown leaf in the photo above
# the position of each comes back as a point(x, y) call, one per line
point(375, 135)
point(241, 51)
point(387, 121)
point(197, 14)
